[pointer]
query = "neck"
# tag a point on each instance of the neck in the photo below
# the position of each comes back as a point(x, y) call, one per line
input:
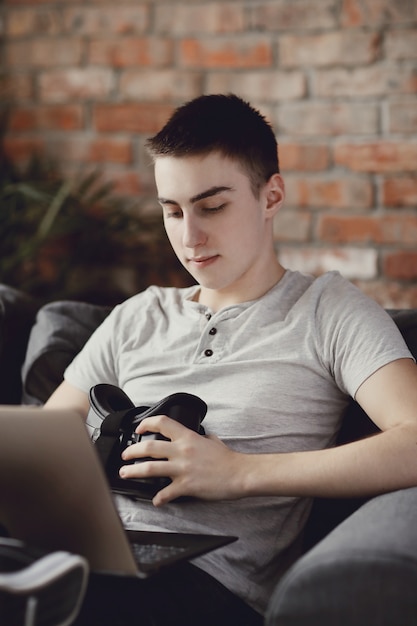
point(217, 299)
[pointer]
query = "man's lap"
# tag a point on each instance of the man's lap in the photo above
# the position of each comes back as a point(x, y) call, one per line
point(181, 595)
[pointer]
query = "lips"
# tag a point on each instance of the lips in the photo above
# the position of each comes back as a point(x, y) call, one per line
point(203, 261)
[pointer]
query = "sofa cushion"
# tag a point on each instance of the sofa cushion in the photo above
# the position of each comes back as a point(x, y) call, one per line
point(60, 331)
point(17, 314)
point(362, 573)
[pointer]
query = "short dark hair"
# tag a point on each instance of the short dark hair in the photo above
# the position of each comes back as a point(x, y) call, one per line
point(225, 124)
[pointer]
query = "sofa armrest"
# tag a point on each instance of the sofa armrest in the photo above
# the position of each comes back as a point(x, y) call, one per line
point(362, 573)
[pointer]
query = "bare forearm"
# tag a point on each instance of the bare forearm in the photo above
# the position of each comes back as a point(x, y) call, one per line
point(385, 462)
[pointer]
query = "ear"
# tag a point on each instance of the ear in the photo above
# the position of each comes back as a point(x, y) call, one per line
point(274, 194)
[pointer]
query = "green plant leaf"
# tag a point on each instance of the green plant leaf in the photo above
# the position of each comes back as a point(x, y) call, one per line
point(53, 210)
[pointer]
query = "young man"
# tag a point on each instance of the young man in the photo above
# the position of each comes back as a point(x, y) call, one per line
point(275, 355)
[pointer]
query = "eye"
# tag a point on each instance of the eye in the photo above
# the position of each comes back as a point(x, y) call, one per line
point(172, 213)
point(214, 209)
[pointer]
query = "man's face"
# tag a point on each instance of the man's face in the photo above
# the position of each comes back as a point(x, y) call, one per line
point(220, 232)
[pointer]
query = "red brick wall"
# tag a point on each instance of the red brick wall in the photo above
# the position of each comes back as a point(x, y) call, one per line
point(337, 78)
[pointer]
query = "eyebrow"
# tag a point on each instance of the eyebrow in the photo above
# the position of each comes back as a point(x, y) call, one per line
point(200, 196)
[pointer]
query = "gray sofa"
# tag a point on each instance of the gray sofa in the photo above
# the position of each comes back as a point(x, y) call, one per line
point(359, 566)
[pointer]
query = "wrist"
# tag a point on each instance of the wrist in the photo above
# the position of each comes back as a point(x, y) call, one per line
point(247, 475)
point(265, 475)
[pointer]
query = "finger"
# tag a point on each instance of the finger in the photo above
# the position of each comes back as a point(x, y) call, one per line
point(160, 424)
point(169, 493)
point(147, 469)
point(154, 448)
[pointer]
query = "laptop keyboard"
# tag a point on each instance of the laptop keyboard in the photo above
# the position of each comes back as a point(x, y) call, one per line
point(154, 553)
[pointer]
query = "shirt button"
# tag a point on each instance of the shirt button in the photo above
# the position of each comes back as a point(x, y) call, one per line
point(208, 352)
point(208, 316)
point(212, 331)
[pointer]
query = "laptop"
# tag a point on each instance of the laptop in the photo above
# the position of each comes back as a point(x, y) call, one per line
point(54, 495)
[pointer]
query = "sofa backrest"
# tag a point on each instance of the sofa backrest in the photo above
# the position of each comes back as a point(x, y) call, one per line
point(17, 315)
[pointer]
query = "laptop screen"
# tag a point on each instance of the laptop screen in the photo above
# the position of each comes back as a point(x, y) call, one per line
point(54, 494)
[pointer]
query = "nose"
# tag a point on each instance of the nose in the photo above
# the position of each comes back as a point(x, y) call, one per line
point(193, 234)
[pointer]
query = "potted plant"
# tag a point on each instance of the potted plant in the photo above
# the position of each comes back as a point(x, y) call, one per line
point(75, 239)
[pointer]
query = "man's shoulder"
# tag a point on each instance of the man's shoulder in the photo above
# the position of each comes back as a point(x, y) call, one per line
point(298, 280)
point(331, 285)
point(297, 287)
point(329, 296)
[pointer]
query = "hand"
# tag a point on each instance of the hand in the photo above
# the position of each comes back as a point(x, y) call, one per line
point(199, 466)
